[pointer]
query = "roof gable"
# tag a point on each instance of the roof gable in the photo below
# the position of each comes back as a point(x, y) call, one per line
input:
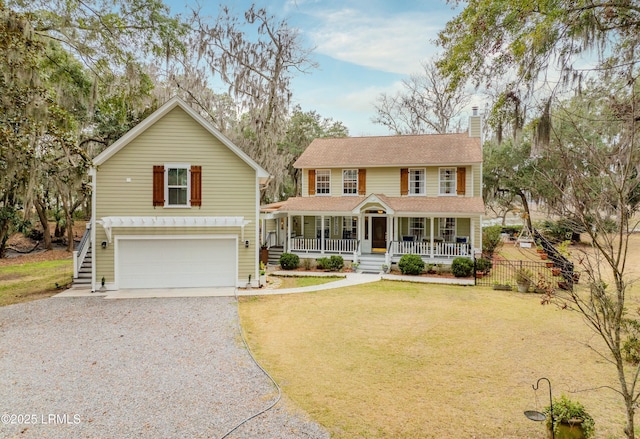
point(427, 149)
point(158, 115)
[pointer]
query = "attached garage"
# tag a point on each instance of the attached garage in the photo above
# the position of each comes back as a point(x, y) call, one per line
point(176, 261)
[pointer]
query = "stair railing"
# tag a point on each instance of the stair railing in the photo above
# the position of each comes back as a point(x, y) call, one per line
point(81, 250)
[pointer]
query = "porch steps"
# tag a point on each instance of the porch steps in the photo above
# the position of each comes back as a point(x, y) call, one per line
point(274, 255)
point(84, 273)
point(371, 263)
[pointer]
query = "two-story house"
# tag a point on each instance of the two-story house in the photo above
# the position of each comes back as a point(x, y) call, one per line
point(386, 196)
point(175, 204)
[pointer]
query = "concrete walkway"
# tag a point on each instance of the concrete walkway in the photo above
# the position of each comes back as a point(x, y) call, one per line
point(348, 279)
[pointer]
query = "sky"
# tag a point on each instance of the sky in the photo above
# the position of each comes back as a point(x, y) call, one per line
point(363, 48)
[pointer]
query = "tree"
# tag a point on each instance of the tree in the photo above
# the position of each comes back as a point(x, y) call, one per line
point(600, 157)
point(589, 147)
point(303, 128)
point(22, 102)
point(428, 103)
point(490, 40)
point(106, 34)
point(258, 73)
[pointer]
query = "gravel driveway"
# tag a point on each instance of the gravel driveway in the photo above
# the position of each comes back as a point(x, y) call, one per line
point(156, 368)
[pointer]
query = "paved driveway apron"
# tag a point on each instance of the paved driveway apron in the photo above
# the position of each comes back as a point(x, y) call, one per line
point(156, 368)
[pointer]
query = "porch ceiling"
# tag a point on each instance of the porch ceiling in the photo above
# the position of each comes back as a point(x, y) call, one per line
point(401, 205)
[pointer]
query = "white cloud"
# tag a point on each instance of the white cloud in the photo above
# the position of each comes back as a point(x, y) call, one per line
point(396, 43)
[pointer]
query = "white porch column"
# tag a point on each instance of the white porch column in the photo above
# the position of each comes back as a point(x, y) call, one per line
point(396, 237)
point(472, 237)
point(322, 234)
point(302, 225)
point(431, 233)
point(288, 240)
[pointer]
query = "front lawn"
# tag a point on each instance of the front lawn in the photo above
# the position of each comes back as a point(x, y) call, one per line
point(303, 281)
point(407, 360)
point(33, 280)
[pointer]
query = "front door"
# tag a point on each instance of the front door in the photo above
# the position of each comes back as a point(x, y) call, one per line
point(379, 233)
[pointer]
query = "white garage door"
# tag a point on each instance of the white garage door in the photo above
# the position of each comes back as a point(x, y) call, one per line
point(175, 263)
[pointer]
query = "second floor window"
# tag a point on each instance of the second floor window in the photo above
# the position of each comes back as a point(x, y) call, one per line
point(323, 182)
point(416, 181)
point(177, 185)
point(350, 182)
point(447, 181)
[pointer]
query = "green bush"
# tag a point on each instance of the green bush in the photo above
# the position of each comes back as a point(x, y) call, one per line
point(334, 263)
point(462, 267)
point(289, 261)
point(411, 264)
point(561, 230)
point(491, 239)
point(484, 265)
point(631, 350)
point(565, 409)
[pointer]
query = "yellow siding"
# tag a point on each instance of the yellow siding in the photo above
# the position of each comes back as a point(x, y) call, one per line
point(305, 183)
point(228, 185)
point(387, 181)
point(383, 181)
point(463, 227)
point(433, 178)
point(477, 180)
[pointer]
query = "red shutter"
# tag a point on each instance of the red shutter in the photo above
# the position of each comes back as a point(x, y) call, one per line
point(196, 185)
point(362, 182)
point(461, 174)
point(158, 186)
point(311, 181)
point(404, 181)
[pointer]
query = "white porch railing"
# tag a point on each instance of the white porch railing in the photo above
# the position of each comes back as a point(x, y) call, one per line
point(396, 248)
point(330, 245)
point(440, 249)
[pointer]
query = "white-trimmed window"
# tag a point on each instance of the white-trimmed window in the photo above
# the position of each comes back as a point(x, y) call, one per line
point(349, 227)
point(417, 181)
point(350, 182)
point(177, 185)
point(447, 228)
point(447, 181)
point(416, 228)
point(323, 182)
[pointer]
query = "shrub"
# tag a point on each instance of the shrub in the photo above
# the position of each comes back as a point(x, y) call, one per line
point(565, 409)
point(289, 261)
point(484, 265)
point(334, 263)
point(491, 239)
point(462, 267)
point(322, 263)
point(561, 230)
point(631, 350)
point(411, 264)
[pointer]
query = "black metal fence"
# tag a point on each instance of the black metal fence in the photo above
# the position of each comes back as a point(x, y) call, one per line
point(506, 274)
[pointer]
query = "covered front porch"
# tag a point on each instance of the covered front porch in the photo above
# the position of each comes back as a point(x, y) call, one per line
point(373, 227)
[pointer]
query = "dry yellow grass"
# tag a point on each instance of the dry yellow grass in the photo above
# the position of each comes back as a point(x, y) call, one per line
point(407, 360)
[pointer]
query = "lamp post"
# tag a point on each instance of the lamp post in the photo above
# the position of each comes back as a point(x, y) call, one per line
point(538, 416)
